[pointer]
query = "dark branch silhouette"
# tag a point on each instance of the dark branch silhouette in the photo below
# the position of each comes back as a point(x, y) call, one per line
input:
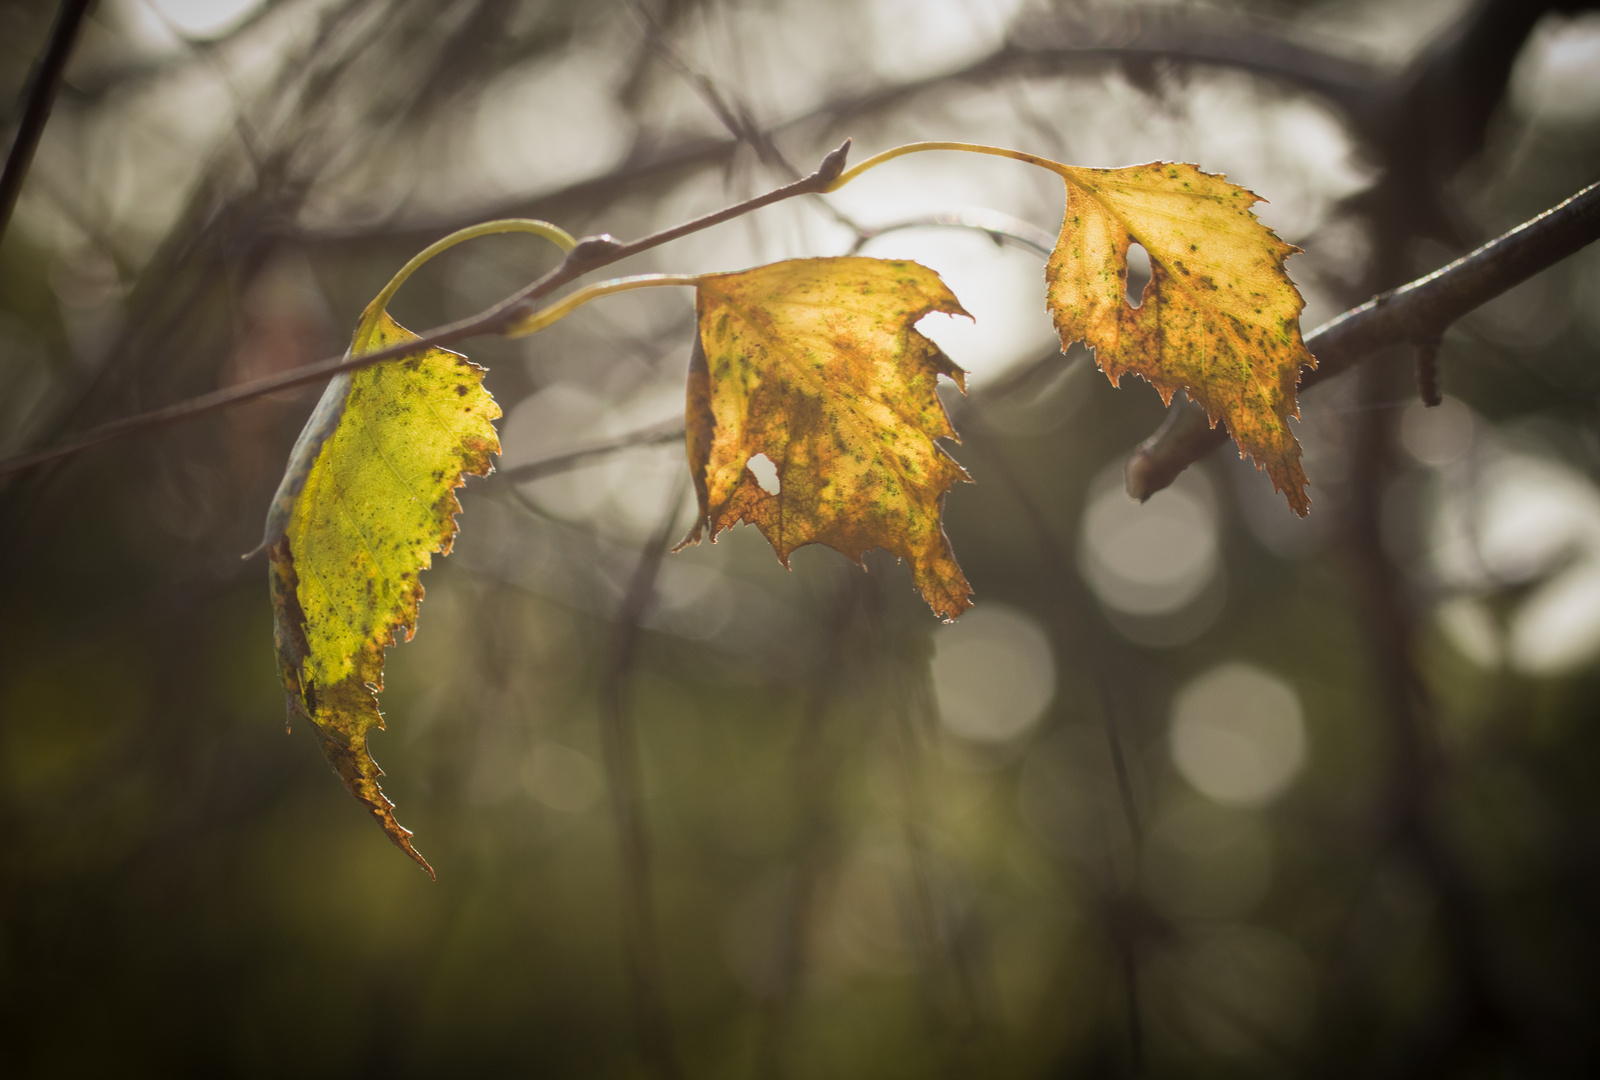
point(39, 98)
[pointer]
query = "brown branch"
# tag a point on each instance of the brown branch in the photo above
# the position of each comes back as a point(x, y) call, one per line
point(590, 254)
point(1415, 313)
point(40, 96)
point(1035, 49)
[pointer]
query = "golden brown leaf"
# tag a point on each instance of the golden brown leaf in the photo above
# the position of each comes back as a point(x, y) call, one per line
point(1219, 317)
point(815, 364)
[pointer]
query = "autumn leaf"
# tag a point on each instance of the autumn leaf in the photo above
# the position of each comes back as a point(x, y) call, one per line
point(1219, 317)
point(815, 364)
point(367, 499)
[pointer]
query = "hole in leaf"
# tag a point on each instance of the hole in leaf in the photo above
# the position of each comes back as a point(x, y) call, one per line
point(1138, 273)
point(766, 473)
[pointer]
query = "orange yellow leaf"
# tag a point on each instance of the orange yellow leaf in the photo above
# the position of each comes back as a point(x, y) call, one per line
point(1219, 317)
point(815, 364)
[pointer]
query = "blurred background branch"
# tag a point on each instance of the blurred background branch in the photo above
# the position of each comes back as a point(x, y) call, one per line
point(1198, 788)
point(38, 98)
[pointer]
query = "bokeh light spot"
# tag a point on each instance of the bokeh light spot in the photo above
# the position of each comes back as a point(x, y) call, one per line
point(1531, 521)
point(1238, 735)
point(1437, 435)
point(1149, 558)
point(994, 673)
point(1557, 74)
point(204, 18)
point(1468, 625)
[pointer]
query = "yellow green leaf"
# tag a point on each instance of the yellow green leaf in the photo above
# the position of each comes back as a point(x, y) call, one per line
point(367, 499)
point(1219, 317)
point(815, 364)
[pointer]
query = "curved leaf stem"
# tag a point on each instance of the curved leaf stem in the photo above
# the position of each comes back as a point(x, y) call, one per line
point(553, 233)
point(530, 324)
point(918, 147)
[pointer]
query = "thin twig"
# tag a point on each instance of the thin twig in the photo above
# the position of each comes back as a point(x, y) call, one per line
point(666, 432)
point(40, 96)
point(735, 116)
point(621, 753)
point(994, 224)
point(1416, 312)
point(591, 253)
point(1428, 372)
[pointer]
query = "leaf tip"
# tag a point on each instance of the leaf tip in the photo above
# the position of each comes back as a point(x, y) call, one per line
point(694, 536)
point(383, 811)
point(398, 834)
point(416, 856)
